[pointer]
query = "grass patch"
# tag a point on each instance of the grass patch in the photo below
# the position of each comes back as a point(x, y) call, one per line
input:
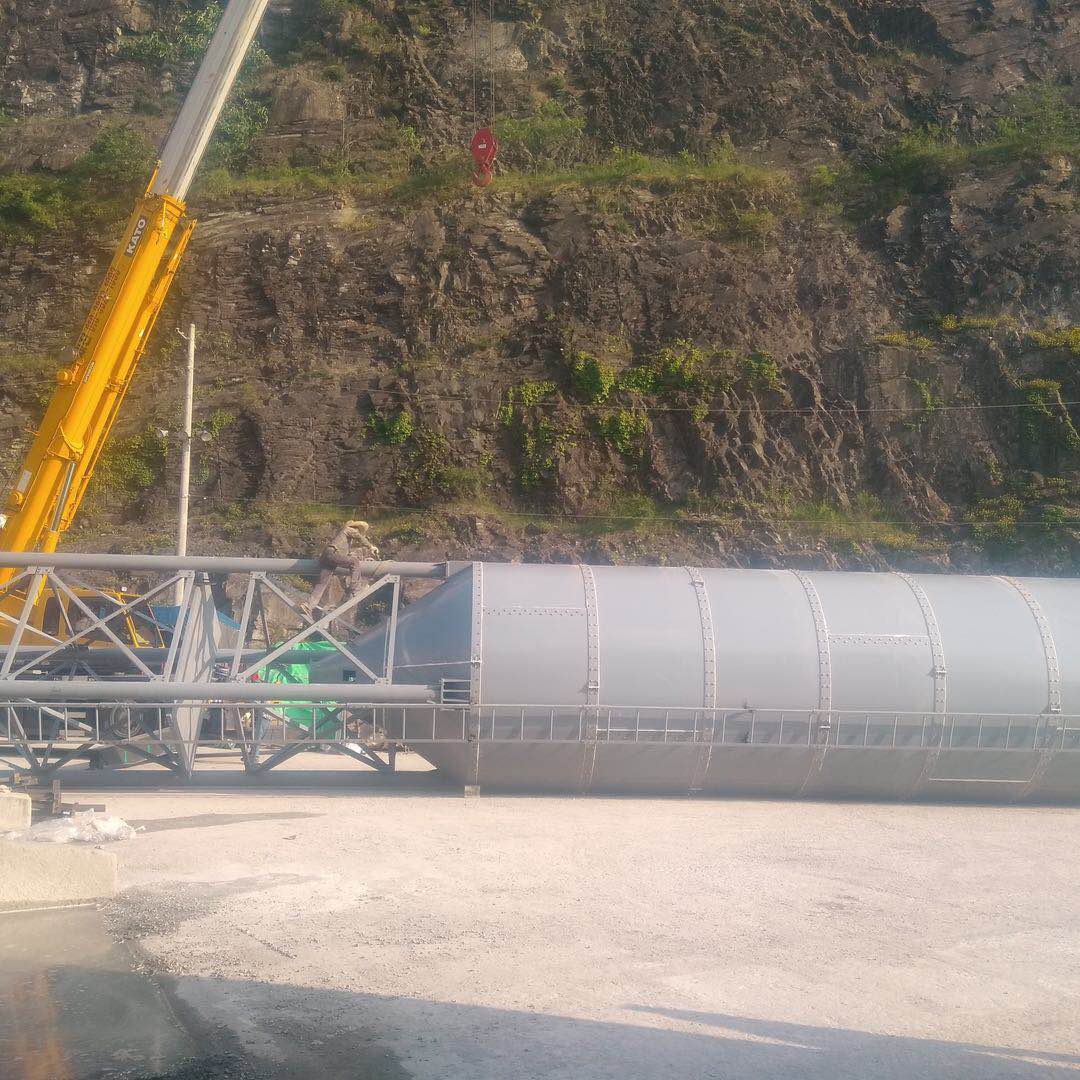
point(628, 513)
point(182, 43)
point(468, 482)
point(33, 203)
point(242, 121)
point(1045, 416)
point(178, 47)
point(27, 379)
point(540, 445)
point(674, 368)
point(450, 176)
point(393, 430)
point(865, 522)
point(624, 431)
point(629, 167)
point(996, 521)
point(525, 395)
point(904, 339)
point(762, 372)
point(284, 181)
point(1041, 511)
point(119, 157)
point(15, 362)
point(337, 27)
point(117, 164)
point(931, 402)
point(590, 378)
point(548, 137)
point(753, 226)
point(1066, 337)
point(955, 324)
point(1038, 123)
point(293, 513)
point(433, 472)
point(131, 465)
point(97, 187)
point(621, 168)
point(445, 176)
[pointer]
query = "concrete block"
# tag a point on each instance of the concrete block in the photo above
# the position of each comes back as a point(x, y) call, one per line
point(53, 875)
point(14, 811)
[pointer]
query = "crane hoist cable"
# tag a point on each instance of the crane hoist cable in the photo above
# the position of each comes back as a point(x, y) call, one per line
point(484, 145)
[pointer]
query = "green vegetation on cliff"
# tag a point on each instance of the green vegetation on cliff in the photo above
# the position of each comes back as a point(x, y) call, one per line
point(97, 188)
point(752, 281)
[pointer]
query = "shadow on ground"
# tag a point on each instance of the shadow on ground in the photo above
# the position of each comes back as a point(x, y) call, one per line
point(355, 1034)
point(275, 783)
point(431, 783)
point(76, 1007)
point(203, 821)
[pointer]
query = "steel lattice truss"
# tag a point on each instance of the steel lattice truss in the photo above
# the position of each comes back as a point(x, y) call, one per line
point(90, 669)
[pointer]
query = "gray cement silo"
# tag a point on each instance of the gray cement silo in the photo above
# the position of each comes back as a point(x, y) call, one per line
point(613, 678)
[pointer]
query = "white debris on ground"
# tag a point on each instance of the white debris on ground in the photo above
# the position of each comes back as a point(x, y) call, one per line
point(83, 827)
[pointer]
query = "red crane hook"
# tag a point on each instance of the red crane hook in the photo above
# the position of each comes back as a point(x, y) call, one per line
point(484, 148)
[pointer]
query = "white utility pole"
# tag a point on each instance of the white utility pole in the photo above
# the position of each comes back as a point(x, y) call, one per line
point(185, 458)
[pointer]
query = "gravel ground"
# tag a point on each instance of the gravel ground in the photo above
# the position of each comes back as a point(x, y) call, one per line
point(412, 933)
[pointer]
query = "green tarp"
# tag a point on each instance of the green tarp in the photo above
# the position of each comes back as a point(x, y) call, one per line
point(301, 713)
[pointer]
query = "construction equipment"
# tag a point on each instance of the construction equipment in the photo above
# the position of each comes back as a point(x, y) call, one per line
point(174, 696)
point(68, 444)
point(587, 679)
point(484, 146)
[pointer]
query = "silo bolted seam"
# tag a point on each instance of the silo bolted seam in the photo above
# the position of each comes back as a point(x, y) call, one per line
point(1053, 667)
point(476, 668)
point(937, 672)
point(592, 683)
point(823, 726)
point(1053, 686)
point(706, 730)
point(476, 655)
point(933, 633)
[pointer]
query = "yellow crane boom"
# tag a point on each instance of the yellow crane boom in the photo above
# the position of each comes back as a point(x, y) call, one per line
point(69, 441)
point(53, 479)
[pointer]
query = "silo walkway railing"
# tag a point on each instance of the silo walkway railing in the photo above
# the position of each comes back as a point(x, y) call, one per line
point(841, 729)
point(269, 732)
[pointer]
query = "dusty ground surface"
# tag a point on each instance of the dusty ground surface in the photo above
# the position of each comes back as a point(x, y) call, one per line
point(355, 931)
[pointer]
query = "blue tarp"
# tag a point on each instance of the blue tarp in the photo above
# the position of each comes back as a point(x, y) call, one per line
point(165, 615)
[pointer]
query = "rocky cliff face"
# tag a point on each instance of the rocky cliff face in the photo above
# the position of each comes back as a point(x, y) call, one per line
point(758, 282)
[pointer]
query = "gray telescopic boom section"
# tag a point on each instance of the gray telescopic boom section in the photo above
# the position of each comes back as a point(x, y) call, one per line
point(210, 564)
point(186, 144)
point(15, 690)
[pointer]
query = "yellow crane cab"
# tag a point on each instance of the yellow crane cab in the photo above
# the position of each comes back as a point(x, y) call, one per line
point(135, 627)
point(56, 616)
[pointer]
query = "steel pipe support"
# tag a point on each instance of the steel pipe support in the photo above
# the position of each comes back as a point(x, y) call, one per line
point(209, 564)
point(17, 691)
